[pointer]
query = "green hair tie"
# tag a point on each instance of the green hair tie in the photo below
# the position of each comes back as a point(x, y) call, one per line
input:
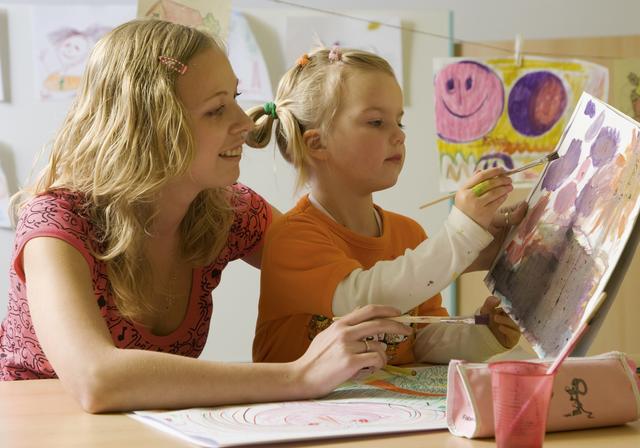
point(270, 109)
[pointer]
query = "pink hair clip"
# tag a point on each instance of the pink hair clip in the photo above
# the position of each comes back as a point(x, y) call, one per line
point(335, 55)
point(173, 64)
point(303, 60)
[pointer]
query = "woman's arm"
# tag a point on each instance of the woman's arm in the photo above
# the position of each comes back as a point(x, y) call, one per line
point(104, 378)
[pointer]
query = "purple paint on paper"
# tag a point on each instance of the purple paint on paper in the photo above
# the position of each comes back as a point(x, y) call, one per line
point(600, 185)
point(594, 128)
point(590, 109)
point(561, 168)
point(605, 146)
point(536, 103)
point(565, 198)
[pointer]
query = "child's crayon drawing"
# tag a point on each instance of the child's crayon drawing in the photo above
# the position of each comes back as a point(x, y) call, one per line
point(63, 39)
point(492, 112)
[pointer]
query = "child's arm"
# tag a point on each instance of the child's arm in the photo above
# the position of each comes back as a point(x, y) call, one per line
point(418, 274)
point(440, 343)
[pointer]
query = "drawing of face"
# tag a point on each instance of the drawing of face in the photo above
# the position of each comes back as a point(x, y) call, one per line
point(469, 100)
point(536, 103)
point(73, 49)
point(494, 160)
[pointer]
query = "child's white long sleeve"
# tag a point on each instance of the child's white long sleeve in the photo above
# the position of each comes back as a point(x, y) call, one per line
point(439, 343)
point(417, 275)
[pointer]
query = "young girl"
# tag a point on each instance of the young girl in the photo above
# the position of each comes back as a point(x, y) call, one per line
point(338, 116)
point(126, 232)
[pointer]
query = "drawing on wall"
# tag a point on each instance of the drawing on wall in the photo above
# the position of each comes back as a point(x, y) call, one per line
point(63, 39)
point(205, 15)
point(305, 33)
point(555, 264)
point(2, 71)
point(4, 95)
point(5, 221)
point(491, 112)
point(247, 61)
point(626, 87)
point(381, 403)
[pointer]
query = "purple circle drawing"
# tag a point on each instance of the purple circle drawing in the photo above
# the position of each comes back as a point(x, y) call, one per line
point(469, 101)
point(536, 103)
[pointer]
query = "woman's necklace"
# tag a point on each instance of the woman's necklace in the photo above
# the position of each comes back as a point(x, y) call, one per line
point(320, 207)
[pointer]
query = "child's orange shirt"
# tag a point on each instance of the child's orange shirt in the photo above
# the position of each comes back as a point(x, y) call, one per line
point(306, 255)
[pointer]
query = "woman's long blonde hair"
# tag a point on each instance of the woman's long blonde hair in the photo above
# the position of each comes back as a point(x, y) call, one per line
point(308, 97)
point(125, 136)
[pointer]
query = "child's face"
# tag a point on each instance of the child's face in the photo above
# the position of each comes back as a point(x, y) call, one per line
point(366, 141)
point(219, 126)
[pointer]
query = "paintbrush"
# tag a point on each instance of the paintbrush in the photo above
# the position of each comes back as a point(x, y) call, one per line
point(478, 319)
point(481, 188)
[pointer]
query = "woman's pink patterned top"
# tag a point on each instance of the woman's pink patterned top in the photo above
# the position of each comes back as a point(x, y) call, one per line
point(59, 214)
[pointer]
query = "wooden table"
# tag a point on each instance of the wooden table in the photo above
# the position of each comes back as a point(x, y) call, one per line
point(41, 414)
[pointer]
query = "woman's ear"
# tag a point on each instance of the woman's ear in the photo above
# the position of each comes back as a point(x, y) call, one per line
point(313, 140)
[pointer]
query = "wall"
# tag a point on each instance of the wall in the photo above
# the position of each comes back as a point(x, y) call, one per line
point(26, 124)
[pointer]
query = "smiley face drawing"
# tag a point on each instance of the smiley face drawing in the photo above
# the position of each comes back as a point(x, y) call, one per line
point(469, 100)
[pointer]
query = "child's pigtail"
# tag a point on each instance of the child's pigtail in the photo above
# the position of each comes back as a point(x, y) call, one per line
point(263, 118)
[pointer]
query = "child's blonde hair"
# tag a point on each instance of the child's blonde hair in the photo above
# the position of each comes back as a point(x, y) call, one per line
point(308, 97)
point(125, 136)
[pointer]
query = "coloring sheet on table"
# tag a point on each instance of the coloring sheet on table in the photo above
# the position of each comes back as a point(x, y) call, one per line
point(379, 404)
point(558, 261)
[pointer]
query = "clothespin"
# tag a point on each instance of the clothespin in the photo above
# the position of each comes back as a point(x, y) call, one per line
point(518, 50)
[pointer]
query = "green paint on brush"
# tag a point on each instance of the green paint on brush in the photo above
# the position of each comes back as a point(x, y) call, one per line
point(480, 188)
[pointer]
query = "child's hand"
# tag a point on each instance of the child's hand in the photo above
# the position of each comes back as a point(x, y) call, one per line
point(480, 202)
point(503, 328)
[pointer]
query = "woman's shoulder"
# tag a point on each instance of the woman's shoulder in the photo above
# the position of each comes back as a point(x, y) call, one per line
point(59, 208)
point(59, 198)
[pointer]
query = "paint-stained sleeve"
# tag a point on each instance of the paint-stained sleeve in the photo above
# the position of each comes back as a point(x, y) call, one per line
point(439, 343)
point(422, 272)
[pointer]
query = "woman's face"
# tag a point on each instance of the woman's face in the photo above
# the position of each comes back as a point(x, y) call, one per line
point(218, 124)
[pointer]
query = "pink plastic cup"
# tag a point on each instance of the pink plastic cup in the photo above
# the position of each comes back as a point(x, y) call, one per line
point(521, 394)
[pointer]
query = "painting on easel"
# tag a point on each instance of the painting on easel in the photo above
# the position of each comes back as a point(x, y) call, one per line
point(557, 262)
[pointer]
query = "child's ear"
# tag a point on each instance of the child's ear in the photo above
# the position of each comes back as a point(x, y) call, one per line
point(313, 140)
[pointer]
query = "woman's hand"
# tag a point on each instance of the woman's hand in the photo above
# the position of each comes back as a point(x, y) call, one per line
point(342, 350)
point(503, 328)
point(482, 194)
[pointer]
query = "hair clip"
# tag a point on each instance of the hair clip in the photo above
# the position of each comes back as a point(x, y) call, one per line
point(303, 60)
point(335, 54)
point(173, 64)
point(270, 109)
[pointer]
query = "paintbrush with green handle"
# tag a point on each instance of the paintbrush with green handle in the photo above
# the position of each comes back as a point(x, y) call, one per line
point(481, 188)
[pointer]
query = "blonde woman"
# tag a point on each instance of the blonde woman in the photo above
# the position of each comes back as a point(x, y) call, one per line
point(126, 232)
point(338, 116)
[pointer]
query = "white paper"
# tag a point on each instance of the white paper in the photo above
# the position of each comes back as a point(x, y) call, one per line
point(247, 61)
point(305, 33)
point(379, 404)
point(63, 39)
